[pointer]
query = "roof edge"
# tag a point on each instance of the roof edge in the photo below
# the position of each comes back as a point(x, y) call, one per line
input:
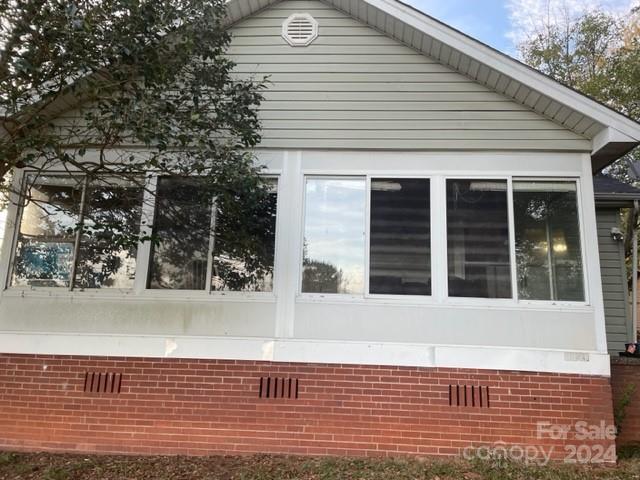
point(509, 66)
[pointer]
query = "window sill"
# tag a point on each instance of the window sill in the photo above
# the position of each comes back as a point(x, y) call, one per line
point(127, 294)
point(467, 303)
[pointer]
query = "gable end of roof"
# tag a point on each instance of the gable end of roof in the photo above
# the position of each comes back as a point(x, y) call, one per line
point(612, 133)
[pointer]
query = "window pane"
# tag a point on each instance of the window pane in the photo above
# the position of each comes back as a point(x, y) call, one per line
point(400, 239)
point(182, 226)
point(107, 257)
point(333, 258)
point(44, 251)
point(548, 241)
point(478, 239)
point(245, 245)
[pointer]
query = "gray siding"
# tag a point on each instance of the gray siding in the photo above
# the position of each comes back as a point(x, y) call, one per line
point(614, 282)
point(355, 87)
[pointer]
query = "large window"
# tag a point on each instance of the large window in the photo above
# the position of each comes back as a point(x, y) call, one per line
point(206, 243)
point(547, 233)
point(478, 239)
point(400, 237)
point(333, 250)
point(364, 236)
point(48, 241)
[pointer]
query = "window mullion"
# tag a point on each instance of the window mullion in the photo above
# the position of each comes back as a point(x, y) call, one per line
point(583, 238)
point(512, 240)
point(76, 245)
point(551, 270)
point(439, 270)
point(146, 230)
point(15, 209)
point(367, 233)
point(212, 242)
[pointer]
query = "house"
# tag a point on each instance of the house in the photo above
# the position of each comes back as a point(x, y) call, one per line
point(611, 196)
point(436, 284)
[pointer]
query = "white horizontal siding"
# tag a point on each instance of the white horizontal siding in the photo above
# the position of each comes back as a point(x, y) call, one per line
point(355, 87)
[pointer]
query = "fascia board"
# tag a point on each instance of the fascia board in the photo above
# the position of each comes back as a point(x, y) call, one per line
point(508, 66)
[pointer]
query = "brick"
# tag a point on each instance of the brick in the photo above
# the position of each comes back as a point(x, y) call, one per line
point(199, 407)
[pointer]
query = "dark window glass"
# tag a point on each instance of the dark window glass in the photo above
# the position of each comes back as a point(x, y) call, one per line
point(400, 237)
point(235, 247)
point(478, 239)
point(107, 256)
point(548, 241)
point(244, 247)
point(182, 226)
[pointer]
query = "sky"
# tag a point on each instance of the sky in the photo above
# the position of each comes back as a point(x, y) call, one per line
point(503, 24)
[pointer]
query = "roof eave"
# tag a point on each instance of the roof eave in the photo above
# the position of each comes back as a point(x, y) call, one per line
point(609, 145)
point(615, 200)
point(508, 66)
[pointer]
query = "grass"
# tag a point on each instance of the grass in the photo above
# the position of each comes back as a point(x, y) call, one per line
point(48, 466)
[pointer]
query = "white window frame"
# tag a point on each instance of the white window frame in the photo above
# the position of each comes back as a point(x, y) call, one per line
point(207, 292)
point(300, 263)
point(20, 182)
point(476, 300)
point(439, 245)
point(293, 182)
point(143, 257)
point(397, 297)
point(581, 234)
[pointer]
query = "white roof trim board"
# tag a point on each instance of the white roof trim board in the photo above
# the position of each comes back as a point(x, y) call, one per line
point(612, 133)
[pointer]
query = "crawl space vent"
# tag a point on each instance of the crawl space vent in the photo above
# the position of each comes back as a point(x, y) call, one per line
point(99, 382)
point(476, 396)
point(274, 387)
point(300, 29)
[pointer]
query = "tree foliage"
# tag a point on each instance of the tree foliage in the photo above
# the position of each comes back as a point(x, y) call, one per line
point(114, 89)
point(597, 54)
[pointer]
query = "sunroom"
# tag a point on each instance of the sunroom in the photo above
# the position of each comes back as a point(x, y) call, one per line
point(415, 252)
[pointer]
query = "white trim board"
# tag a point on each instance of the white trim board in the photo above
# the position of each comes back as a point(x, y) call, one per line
point(505, 65)
point(308, 351)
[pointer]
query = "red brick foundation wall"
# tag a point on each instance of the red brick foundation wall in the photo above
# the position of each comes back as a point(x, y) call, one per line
point(168, 406)
point(625, 377)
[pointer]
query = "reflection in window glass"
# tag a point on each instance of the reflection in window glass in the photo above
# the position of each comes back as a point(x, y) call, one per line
point(182, 226)
point(547, 232)
point(107, 255)
point(333, 256)
point(244, 245)
point(400, 250)
point(478, 239)
point(44, 252)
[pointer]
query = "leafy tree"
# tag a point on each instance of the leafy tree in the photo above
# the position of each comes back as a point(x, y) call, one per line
point(121, 88)
point(322, 277)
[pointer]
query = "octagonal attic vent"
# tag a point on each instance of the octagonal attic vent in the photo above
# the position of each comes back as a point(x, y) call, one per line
point(300, 29)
